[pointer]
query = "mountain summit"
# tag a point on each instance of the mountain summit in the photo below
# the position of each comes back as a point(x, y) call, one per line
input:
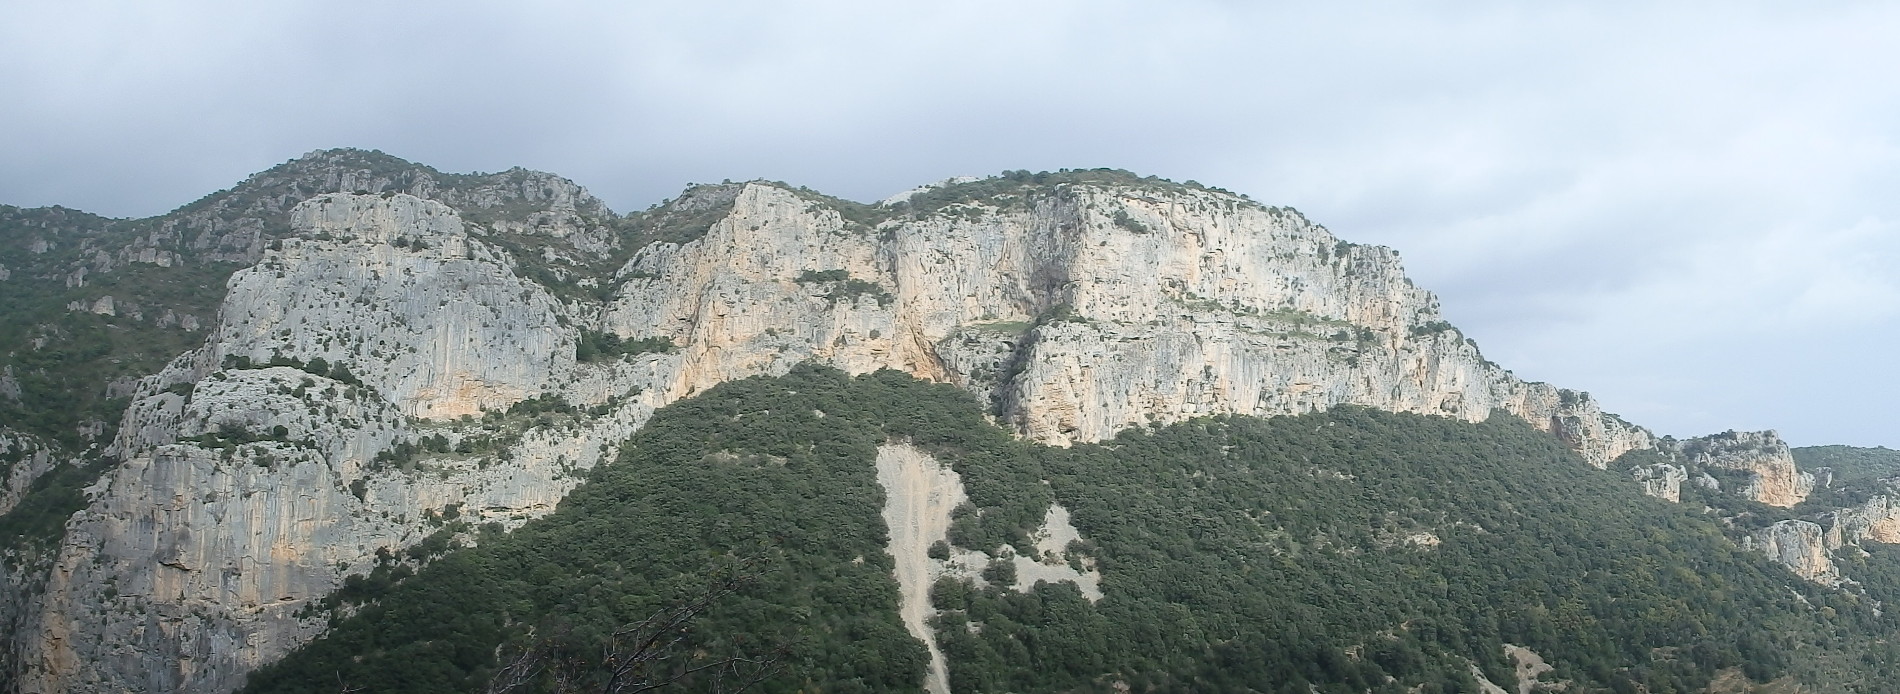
point(285, 385)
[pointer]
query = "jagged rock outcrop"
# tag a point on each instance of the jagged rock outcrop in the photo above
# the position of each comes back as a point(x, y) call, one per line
point(23, 458)
point(248, 492)
point(264, 467)
point(396, 290)
point(1801, 546)
point(1758, 466)
point(1770, 475)
point(1095, 309)
point(1661, 480)
point(1878, 520)
point(238, 226)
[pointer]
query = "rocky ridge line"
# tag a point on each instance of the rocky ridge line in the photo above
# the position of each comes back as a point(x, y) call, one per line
point(1077, 308)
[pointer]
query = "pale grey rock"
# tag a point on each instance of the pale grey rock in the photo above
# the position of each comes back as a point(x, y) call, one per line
point(9, 384)
point(1799, 545)
point(1530, 669)
point(1823, 477)
point(1077, 326)
point(395, 290)
point(23, 458)
point(733, 302)
point(1773, 478)
point(1705, 481)
point(154, 256)
point(189, 567)
point(1052, 561)
point(920, 495)
point(1878, 520)
point(1661, 480)
point(238, 225)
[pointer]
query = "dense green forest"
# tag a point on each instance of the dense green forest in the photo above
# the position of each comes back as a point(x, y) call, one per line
point(1346, 551)
point(1853, 474)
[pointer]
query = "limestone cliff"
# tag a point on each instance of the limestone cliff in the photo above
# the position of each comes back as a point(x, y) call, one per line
point(1757, 466)
point(1661, 480)
point(1081, 313)
point(1799, 545)
point(23, 458)
point(1765, 467)
point(1877, 520)
point(248, 491)
point(266, 465)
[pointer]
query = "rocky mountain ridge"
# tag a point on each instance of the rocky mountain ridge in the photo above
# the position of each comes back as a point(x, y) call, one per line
point(395, 346)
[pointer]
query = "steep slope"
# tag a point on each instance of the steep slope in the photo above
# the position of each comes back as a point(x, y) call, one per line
point(99, 302)
point(1082, 304)
point(393, 343)
point(1351, 550)
point(1856, 505)
point(93, 304)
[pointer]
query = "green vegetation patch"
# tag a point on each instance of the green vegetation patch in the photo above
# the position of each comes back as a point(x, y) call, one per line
point(1331, 551)
point(682, 219)
point(844, 287)
point(1347, 551)
point(1015, 189)
point(37, 524)
point(749, 470)
point(1857, 474)
point(64, 359)
point(1003, 327)
point(603, 346)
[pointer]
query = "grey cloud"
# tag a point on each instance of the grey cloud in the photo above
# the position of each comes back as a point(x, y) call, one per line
point(1685, 209)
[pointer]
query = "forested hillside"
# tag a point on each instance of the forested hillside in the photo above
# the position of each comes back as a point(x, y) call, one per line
point(1346, 551)
point(349, 391)
point(1853, 474)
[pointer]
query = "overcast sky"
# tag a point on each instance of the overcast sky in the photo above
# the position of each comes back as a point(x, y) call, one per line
point(1691, 210)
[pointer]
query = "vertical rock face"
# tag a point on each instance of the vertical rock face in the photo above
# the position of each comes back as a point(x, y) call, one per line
point(769, 285)
point(1878, 519)
point(397, 291)
point(1769, 472)
point(248, 492)
point(1083, 313)
point(1801, 546)
point(23, 458)
point(1661, 480)
point(267, 465)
